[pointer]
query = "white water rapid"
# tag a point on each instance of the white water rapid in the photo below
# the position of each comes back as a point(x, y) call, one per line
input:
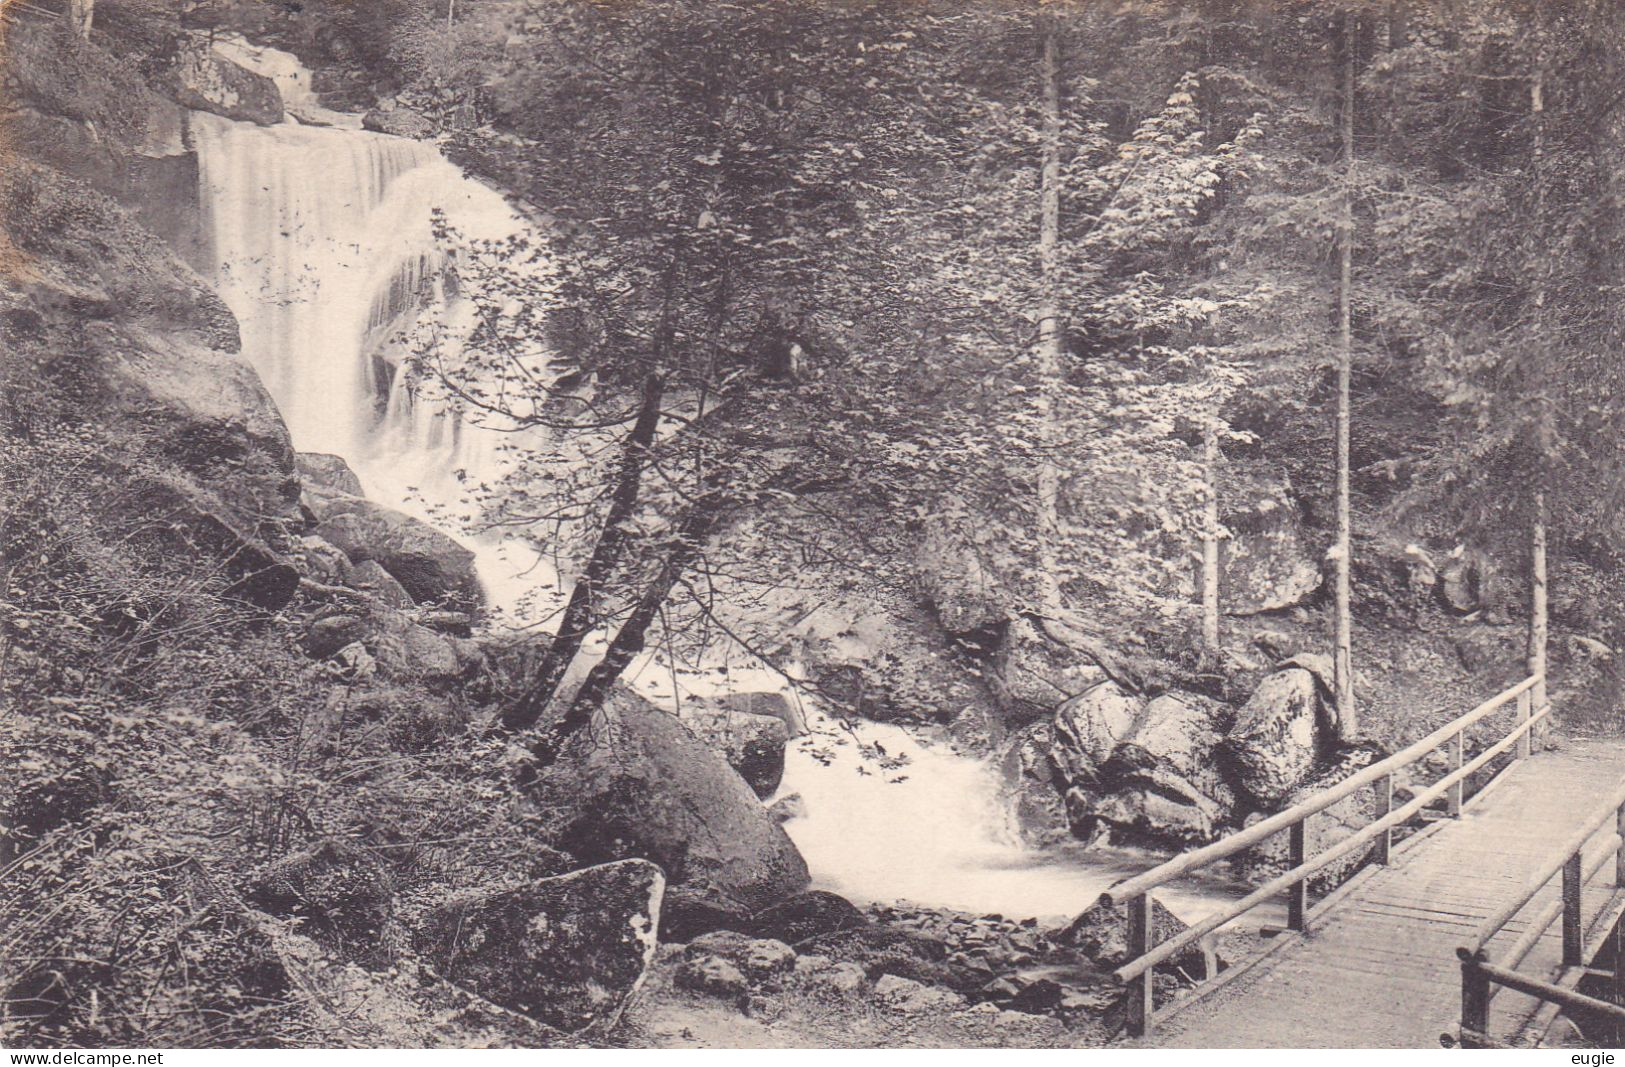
point(323, 248)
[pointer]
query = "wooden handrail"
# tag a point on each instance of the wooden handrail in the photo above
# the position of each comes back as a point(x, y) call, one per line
point(1136, 891)
point(1548, 870)
point(1244, 839)
point(1185, 938)
point(1536, 930)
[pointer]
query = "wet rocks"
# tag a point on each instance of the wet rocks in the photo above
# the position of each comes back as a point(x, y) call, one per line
point(568, 951)
point(429, 565)
point(328, 472)
point(805, 916)
point(399, 122)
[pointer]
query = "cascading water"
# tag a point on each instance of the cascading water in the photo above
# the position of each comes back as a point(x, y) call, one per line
point(325, 250)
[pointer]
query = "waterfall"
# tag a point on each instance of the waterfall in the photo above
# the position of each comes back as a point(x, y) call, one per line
point(324, 247)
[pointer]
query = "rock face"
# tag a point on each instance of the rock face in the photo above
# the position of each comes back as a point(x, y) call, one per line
point(199, 77)
point(1267, 562)
point(1033, 675)
point(953, 578)
point(1278, 736)
point(430, 566)
point(568, 951)
point(752, 744)
point(884, 660)
point(1036, 786)
point(635, 782)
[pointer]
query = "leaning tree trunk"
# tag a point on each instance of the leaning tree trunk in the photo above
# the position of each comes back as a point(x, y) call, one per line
point(579, 619)
point(1342, 662)
point(693, 528)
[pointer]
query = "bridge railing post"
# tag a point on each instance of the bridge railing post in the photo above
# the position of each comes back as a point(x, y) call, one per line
point(1619, 853)
point(1142, 987)
point(1526, 709)
point(1297, 899)
point(1475, 1004)
point(1573, 934)
point(1454, 797)
point(1384, 851)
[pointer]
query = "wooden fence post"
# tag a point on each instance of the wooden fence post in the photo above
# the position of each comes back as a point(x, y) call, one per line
point(1573, 935)
point(1526, 709)
point(1475, 1003)
point(1140, 1005)
point(1619, 856)
point(1616, 984)
point(1384, 851)
point(1454, 797)
point(1297, 900)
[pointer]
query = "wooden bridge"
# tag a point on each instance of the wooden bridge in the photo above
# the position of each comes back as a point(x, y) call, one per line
point(1477, 929)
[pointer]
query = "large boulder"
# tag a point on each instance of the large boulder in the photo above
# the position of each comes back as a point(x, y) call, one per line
point(408, 652)
point(1349, 815)
point(780, 704)
point(1100, 933)
point(328, 472)
point(1278, 736)
point(1164, 783)
point(752, 744)
point(568, 951)
point(1161, 809)
point(431, 566)
point(636, 782)
point(1088, 728)
point(199, 77)
point(883, 659)
point(1267, 562)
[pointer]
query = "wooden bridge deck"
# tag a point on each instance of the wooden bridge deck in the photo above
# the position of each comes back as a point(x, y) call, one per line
point(1378, 966)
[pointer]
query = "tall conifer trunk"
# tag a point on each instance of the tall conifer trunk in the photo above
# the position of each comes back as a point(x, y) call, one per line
point(1051, 338)
point(1343, 666)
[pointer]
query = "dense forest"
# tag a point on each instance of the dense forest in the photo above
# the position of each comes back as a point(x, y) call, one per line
point(1160, 410)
